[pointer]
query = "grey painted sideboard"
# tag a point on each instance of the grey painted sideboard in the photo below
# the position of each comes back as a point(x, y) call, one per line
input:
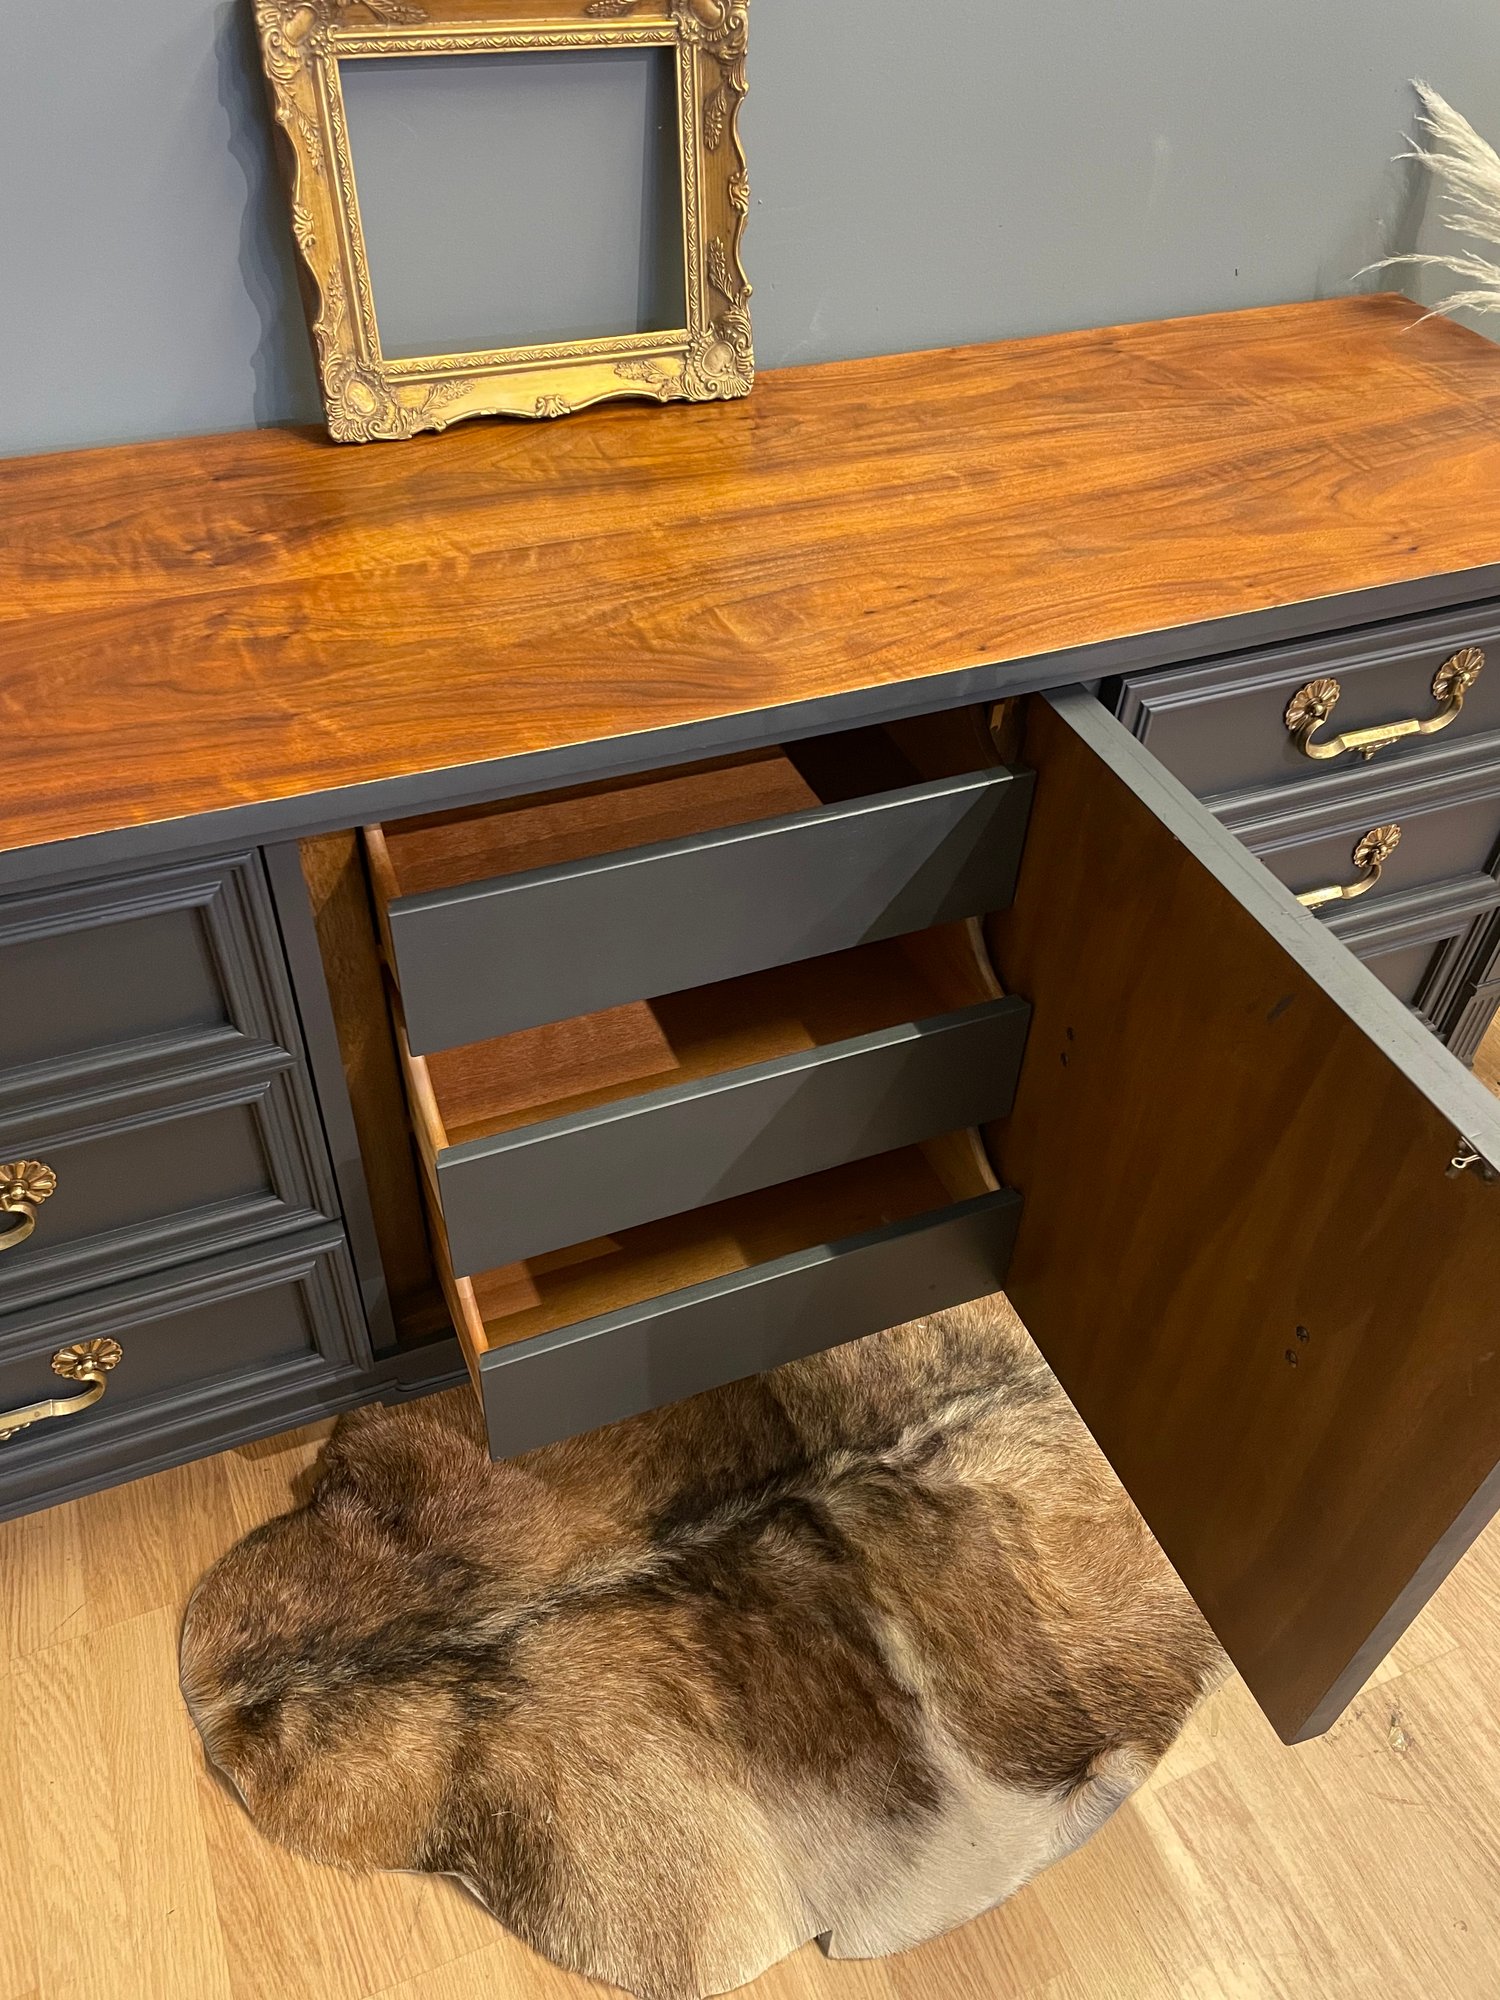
point(602, 911)
point(173, 1057)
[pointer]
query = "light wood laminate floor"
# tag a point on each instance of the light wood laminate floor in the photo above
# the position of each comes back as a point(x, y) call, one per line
point(1364, 1864)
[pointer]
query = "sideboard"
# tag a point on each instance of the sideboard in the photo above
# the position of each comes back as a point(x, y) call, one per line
point(598, 909)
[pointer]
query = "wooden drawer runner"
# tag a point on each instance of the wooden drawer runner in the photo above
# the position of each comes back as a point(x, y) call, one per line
point(559, 1134)
point(586, 1337)
point(533, 910)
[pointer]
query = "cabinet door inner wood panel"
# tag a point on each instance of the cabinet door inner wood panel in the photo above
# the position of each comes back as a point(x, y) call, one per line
point(1243, 1250)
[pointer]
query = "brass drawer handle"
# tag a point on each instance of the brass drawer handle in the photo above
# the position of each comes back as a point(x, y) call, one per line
point(1311, 706)
point(1370, 857)
point(86, 1361)
point(24, 1186)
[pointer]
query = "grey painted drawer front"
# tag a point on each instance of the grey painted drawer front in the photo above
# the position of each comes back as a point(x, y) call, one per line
point(154, 1176)
point(231, 1340)
point(1402, 968)
point(133, 976)
point(596, 1172)
point(1441, 840)
point(487, 958)
point(1219, 726)
point(1419, 928)
point(1422, 929)
point(606, 1369)
point(1417, 943)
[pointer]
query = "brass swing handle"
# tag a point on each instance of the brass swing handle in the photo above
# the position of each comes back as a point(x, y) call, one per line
point(24, 1186)
point(1311, 706)
point(86, 1361)
point(1370, 857)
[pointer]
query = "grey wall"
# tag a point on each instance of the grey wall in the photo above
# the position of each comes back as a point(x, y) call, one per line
point(954, 170)
point(601, 255)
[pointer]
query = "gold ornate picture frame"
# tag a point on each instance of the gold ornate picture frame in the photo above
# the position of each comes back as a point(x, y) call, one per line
point(367, 396)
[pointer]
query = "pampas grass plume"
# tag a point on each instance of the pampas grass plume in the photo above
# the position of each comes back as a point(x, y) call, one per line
point(1467, 170)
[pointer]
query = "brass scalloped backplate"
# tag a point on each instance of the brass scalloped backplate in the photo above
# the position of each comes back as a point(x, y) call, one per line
point(86, 1358)
point(1312, 704)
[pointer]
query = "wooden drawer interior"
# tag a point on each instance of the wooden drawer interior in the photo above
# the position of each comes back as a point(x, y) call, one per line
point(438, 851)
point(539, 1074)
point(443, 850)
point(533, 910)
point(483, 1090)
point(471, 1102)
point(566, 1287)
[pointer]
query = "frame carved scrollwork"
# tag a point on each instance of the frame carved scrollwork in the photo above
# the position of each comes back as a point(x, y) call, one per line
point(367, 396)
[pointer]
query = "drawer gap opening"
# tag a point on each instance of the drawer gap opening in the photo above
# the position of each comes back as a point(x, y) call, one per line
point(488, 1088)
point(549, 830)
point(499, 1308)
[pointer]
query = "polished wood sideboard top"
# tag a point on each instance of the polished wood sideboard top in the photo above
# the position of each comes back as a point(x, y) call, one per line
point(192, 627)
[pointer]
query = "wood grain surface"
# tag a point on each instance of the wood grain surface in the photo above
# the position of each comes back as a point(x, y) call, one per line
point(333, 868)
point(1243, 1253)
point(217, 622)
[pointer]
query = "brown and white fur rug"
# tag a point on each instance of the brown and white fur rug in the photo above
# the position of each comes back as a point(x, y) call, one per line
point(850, 1651)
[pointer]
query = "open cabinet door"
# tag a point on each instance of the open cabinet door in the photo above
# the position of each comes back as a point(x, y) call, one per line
point(1247, 1250)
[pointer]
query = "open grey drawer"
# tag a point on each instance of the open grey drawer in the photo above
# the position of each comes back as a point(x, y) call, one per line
point(681, 878)
point(589, 1126)
point(567, 1343)
point(1259, 1241)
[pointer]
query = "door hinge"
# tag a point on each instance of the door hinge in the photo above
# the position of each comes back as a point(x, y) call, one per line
point(1468, 1160)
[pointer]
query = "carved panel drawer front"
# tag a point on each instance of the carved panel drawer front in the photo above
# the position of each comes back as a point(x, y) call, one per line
point(131, 977)
point(1377, 837)
point(161, 1173)
point(1402, 863)
point(1422, 948)
point(1223, 726)
point(221, 1349)
point(165, 1182)
point(536, 909)
point(1404, 969)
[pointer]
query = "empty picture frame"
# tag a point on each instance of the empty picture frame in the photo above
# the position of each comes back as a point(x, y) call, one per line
point(307, 47)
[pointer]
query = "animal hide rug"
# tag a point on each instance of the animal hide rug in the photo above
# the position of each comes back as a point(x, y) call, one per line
point(846, 1652)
